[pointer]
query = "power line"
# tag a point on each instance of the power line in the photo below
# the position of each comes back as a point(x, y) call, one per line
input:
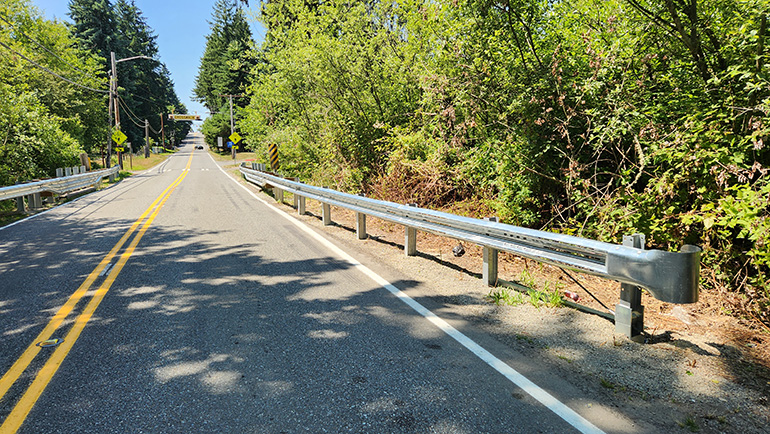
point(21, 32)
point(125, 105)
point(51, 72)
point(131, 113)
point(131, 116)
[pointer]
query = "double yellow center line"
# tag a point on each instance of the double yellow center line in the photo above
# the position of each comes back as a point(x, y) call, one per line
point(14, 420)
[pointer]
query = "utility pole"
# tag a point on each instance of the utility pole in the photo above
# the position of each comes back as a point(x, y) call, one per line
point(162, 133)
point(114, 91)
point(108, 163)
point(232, 124)
point(232, 121)
point(114, 62)
point(147, 138)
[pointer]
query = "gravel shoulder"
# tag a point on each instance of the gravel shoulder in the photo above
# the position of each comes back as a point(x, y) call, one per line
point(690, 375)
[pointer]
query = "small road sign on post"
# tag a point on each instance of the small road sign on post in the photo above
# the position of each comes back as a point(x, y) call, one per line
point(235, 138)
point(119, 137)
point(272, 149)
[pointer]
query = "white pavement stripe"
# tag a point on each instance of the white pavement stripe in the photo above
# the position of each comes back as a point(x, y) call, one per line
point(562, 410)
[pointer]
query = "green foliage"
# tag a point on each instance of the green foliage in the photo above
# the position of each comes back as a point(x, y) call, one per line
point(595, 118)
point(689, 424)
point(502, 295)
point(45, 121)
point(216, 125)
point(337, 75)
point(33, 143)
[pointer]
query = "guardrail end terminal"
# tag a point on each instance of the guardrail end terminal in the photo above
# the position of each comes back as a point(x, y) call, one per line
point(671, 277)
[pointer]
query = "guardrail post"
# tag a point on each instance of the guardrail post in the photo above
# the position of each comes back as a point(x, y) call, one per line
point(75, 170)
point(410, 238)
point(59, 172)
point(296, 196)
point(301, 204)
point(489, 255)
point(20, 204)
point(67, 171)
point(35, 201)
point(629, 312)
point(326, 213)
point(82, 169)
point(278, 193)
point(361, 224)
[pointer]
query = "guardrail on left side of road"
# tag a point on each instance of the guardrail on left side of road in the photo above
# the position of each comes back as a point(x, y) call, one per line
point(60, 185)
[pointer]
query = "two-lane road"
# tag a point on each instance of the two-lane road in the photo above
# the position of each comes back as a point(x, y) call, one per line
point(186, 305)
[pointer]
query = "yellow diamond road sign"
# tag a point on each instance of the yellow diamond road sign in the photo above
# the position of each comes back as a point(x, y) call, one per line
point(235, 137)
point(119, 137)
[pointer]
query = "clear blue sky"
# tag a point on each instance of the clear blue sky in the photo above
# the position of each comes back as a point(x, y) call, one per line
point(181, 27)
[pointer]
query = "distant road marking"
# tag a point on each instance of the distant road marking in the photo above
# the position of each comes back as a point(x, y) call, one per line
point(19, 413)
point(562, 410)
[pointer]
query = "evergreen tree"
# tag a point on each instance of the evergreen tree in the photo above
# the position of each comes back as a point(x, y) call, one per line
point(145, 89)
point(95, 27)
point(225, 64)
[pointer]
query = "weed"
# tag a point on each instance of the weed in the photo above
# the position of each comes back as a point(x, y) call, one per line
point(607, 384)
point(500, 296)
point(689, 424)
point(721, 419)
point(525, 338)
point(549, 295)
point(567, 359)
point(526, 279)
point(534, 297)
point(497, 297)
point(553, 298)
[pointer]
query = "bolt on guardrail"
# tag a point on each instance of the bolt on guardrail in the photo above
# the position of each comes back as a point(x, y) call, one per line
point(669, 276)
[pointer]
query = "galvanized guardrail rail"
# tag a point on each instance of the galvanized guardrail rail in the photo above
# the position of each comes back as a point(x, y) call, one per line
point(59, 185)
point(669, 276)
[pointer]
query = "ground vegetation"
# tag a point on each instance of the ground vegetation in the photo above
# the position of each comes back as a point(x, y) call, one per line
point(594, 118)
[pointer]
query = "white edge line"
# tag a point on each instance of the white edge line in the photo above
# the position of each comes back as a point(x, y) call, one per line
point(562, 410)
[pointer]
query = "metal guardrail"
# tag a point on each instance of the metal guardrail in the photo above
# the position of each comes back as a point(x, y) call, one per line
point(57, 185)
point(669, 276)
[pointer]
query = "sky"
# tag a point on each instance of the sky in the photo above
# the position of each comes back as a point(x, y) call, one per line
point(181, 27)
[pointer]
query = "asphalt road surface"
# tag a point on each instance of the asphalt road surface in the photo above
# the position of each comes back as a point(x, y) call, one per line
point(183, 304)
